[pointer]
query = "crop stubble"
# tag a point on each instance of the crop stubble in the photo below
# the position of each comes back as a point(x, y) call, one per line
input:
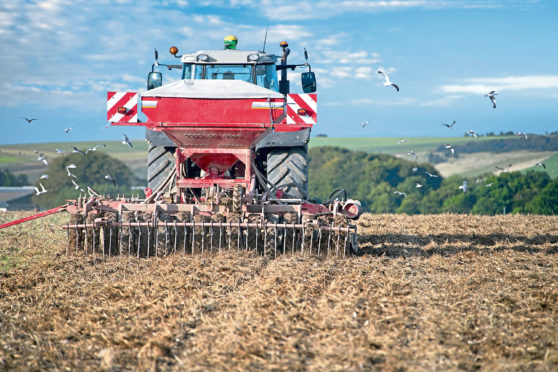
point(429, 292)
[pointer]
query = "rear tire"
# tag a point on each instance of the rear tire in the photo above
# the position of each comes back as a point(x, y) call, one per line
point(287, 169)
point(160, 162)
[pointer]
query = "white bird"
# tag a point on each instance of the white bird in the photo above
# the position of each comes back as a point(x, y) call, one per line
point(400, 193)
point(364, 123)
point(541, 165)
point(94, 148)
point(403, 141)
point(35, 151)
point(418, 185)
point(43, 190)
point(504, 169)
point(76, 186)
point(488, 184)
point(491, 95)
point(58, 151)
point(430, 174)
point(387, 82)
point(42, 158)
point(521, 134)
point(472, 132)
point(412, 153)
point(44, 177)
point(109, 178)
point(449, 125)
point(67, 130)
point(450, 147)
point(78, 151)
point(414, 169)
point(30, 120)
point(106, 126)
point(464, 187)
point(68, 167)
point(71, 166)
point(126, 141)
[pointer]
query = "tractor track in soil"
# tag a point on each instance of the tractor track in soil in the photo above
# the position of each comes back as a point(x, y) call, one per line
point(429, 292)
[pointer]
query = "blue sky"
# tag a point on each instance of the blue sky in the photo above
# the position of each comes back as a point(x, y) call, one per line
point(59, 57)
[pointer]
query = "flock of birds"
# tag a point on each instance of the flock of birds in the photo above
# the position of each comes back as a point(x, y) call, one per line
point(463, 187)
point(41, 157)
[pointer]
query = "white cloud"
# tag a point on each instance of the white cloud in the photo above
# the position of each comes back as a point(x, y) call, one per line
point(509, 83)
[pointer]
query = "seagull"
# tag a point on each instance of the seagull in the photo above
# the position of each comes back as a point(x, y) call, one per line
point(94, 148)
point(464, 187)
point(35, 151)
point(403, 141)
point(68, 167)
point(42, 158)
point(126, 141)
point(76, 186)
point(430, 174)
point(76, 150)
point(30, 120)
point(521, 134)
point(109, 178)
point(364, 123)
point(67, 130)
point(472, 132)
point(106, 126)
point(418, 185)
point(44, 177)
point(450, 147)
point(387, 82)
point(414, 169)
point(449, 125)
point(58, 151)
point(491, 95)
point(43, 190)
point(541, 165)
point(400, 193)
point(504, 169)
point(488, 184)
point(412, 153)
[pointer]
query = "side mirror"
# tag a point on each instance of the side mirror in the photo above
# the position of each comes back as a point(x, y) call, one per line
point(154, 80)
point(308, 82)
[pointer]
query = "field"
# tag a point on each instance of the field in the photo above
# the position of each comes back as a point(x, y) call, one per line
point(447, 292)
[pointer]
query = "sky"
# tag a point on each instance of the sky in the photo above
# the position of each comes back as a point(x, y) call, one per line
point(60, 57)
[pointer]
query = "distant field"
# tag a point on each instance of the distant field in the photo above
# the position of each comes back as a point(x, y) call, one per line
point(551, 164)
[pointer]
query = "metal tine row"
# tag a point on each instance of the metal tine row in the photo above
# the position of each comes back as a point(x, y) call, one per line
point(113, 238)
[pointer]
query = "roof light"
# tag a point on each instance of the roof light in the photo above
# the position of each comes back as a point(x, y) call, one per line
point(203, 57)
point(253, 57)
point(173, 50)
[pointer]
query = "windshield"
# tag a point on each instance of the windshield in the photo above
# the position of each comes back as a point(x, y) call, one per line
point(187, 71)
point(264, 75)
point(229, 72)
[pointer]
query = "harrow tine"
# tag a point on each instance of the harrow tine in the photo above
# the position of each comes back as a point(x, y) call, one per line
point(284, 238)
point(85, 245)
point(104, 244)
point(202, 236)
point(120, 240)
point(220, 234)
point(246, 238)
point(175, 237)
point(257, 228)
point(185, 236)
point(345, 244)
point(238, 237)
point(67, 239)
point(156, 228)
point(293, 247)
point(275, 236)
point(110, 239)
point(77, 238)
point(193, 236)
point(94, 238)
point(311, 242)
point(319, 240)
point(229, 235)
point(129, 239)
point(265, 239)
point(139, 239)
point(211, 236)
point(329, 241)
point(337, 245)
point(148, 238)
point(166, 238)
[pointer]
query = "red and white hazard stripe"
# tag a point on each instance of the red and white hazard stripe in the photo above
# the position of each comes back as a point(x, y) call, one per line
point(128, 100)
point(306, 102)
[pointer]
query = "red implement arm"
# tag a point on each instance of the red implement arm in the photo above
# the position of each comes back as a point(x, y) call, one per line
point(38, 215)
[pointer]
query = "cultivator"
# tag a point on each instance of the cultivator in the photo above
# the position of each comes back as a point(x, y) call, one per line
point(229, 170)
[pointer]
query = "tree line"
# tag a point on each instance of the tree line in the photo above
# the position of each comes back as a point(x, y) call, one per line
point(387, 184)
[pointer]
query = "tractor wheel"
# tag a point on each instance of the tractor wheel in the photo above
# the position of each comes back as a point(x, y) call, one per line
point(287, 169)
point(160, 162)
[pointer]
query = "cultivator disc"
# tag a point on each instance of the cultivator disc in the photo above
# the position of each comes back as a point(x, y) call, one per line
point(125, 227)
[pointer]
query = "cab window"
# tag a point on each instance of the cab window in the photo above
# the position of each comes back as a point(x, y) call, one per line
point(266, 76)
point(187, 71)
point(229, 72)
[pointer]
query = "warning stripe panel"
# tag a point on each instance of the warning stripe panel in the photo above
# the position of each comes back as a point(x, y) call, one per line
point(307, 102)
point(129, 100)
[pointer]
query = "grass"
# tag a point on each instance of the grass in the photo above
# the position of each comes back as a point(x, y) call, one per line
point(447, 292)
point(551, 164)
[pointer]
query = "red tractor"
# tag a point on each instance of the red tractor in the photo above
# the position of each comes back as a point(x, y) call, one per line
point(227, 164)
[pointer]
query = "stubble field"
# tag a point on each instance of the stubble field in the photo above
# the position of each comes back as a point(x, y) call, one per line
point(444, 292)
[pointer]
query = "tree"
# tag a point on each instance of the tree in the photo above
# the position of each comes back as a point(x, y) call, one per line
point(7, 178)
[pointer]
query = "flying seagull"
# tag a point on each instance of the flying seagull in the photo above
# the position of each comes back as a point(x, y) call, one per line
point(521, 134)
point(58, 151)
point(449, 125)
point(94, 148)
point(412, 153)
point(400, 193)
point(106, 126)
point(418, 185)
point(30, 120)
point(450, 147)
point(430, 174)
point(76, 186)
point(504, 169)
point(43, 190)
point(42, 158)
point(364, 123)
point(491, 95)
point(109, 178)
point(44, 177)
point(387, 82)
point(464, 187)
point(67, 130)
point(68, 167)
point(488, 184)
point(403, 141)
point(541, 165)
point(78, 151)
point(414, 169)
point(126, 141)
point(472, 132)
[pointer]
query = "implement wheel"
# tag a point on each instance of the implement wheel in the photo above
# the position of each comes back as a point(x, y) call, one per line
point(160, 162)
point(287, 169)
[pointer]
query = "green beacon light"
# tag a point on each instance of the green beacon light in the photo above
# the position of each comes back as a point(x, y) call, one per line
point(230, 42)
